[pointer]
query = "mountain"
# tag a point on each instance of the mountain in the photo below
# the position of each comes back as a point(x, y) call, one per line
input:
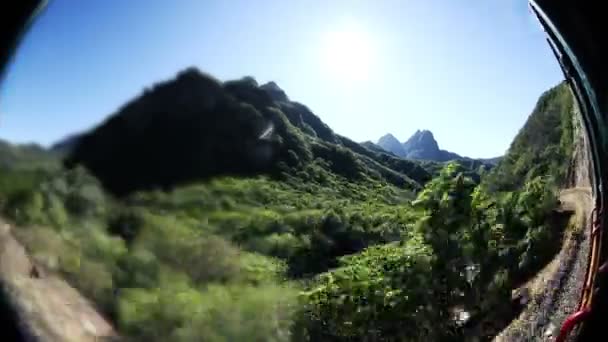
point(195, 127)
point(423, 144)
point(420, 146)
point(275, 92)
point(375, 147)
point(544, 145)
point(389, 143)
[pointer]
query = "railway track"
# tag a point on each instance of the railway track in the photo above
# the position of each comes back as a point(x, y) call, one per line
point(555, 290)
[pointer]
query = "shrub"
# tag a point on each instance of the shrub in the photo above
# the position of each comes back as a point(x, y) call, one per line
point(95, 281)
point(258, 269)
point(179, 312)
point(126, 223)
point(57, 215)
point(139, 268)
point(85, 201)
point(27, 208)
point(379, 294)
point(205, 258)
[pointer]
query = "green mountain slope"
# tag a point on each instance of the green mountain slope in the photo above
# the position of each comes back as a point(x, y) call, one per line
point(230, 128)
point(543, 146)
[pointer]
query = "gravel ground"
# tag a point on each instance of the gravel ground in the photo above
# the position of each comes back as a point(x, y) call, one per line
point(543, 317)
point(569, 297)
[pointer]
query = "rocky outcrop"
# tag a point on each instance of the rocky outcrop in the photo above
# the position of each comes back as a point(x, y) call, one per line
point(580, 172)
point(42, 306)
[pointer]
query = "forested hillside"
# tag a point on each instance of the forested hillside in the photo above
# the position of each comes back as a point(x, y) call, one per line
point(223, 211)
point(195, 127)
point(543, 146)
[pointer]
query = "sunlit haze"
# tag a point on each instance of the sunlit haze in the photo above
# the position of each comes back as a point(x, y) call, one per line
point(469, 71)
point(348, 54)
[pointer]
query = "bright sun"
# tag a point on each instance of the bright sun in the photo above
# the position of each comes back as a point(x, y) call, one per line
point(348, 54)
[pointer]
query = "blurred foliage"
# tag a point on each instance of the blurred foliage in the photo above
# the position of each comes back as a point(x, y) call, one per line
point(459, 239)
point(27, 157)
point(176, 311)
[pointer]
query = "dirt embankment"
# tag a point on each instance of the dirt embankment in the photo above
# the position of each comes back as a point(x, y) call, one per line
point(555, 291)
point(43, 307)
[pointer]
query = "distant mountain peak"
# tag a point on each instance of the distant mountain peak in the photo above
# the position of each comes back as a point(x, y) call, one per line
point(388, 137)
point(423, 134)
point(421, 145)
point(391, 144)
point(422, 140)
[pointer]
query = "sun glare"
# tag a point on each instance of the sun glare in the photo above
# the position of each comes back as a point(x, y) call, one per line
point(348, 54)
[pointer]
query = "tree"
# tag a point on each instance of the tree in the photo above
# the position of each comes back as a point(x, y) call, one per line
point(444, 208)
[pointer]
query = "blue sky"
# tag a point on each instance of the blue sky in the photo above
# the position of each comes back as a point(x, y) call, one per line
point(470, 71)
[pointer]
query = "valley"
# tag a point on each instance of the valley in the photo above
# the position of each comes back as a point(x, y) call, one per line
point(210, 210)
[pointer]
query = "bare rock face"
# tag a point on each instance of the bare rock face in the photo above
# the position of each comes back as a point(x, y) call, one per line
point(43, 307)
point(580, 170)
point(389, 143)
point(422, 145)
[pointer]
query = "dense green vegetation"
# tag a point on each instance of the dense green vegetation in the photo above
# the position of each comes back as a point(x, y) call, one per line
point(230, 231)
point(544, 144)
